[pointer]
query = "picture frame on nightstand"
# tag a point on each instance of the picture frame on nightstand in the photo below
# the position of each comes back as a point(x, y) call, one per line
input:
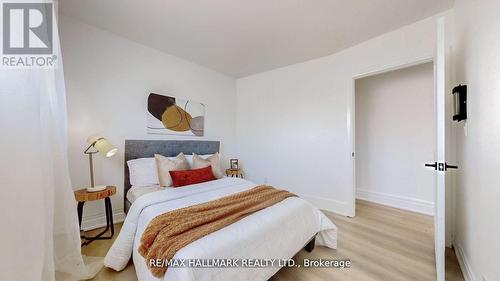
point(234, 164)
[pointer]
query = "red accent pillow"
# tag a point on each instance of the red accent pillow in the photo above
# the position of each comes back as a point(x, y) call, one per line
point(187, 177)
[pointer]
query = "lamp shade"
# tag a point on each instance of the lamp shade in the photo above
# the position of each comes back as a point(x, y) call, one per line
point(103, 145)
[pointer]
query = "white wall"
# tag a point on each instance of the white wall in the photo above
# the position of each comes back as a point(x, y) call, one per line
point(293, 123)
point(395, 138)
point(477, 63)
point(108, 79)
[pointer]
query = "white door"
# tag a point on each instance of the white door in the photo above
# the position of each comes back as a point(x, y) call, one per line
point(439, 205)
point(440, 166)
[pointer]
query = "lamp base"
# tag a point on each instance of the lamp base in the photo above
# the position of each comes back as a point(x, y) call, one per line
point(96, 188)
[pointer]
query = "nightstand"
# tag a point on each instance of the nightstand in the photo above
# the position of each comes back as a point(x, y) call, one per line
point(82, 196)
point(234, 173)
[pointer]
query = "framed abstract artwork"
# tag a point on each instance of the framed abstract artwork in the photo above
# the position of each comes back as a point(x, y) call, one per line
point(173, 116)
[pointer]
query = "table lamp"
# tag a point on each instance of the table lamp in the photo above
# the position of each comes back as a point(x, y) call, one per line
point(102, 145)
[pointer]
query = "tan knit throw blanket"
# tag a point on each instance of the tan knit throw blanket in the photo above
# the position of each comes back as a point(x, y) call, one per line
point(169, 232)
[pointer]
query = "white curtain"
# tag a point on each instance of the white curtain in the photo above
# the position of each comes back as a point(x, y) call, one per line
point(39, 237)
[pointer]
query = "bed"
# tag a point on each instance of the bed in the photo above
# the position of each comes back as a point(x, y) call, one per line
point(276, 232)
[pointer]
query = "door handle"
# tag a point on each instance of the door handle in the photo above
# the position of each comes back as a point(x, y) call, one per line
point(433, 165)
point(446, 166)
point(440, 166)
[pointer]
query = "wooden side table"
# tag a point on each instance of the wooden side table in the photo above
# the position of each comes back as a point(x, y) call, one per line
point(234, 173)
point(82, 196)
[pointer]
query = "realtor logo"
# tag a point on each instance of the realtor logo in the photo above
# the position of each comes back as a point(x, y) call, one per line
point(27, 34)
point(27, 28)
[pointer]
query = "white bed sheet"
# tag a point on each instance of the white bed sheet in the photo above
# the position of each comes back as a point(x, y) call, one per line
point(278, 232)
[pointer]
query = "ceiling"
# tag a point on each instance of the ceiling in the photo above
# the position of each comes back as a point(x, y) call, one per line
point(243, 37)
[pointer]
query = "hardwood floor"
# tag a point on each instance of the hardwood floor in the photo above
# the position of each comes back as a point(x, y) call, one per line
point(382, 243)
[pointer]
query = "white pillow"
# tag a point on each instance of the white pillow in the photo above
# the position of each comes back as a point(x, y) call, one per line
point(137, 191)
point(143, 172)
point(213, 160)
point(167, 164)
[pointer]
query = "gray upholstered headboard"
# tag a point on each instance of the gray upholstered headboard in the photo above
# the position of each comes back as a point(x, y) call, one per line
point(148, 148)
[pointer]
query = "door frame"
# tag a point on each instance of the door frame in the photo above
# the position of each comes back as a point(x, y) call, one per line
point(443, 48)
point(351, 115)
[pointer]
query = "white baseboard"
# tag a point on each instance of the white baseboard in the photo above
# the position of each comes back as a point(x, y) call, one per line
point(330, 205)
point(400, 202)
point(99, 220)
point(464, 264)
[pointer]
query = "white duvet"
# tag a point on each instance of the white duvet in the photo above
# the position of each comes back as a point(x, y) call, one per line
point(277, 232)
